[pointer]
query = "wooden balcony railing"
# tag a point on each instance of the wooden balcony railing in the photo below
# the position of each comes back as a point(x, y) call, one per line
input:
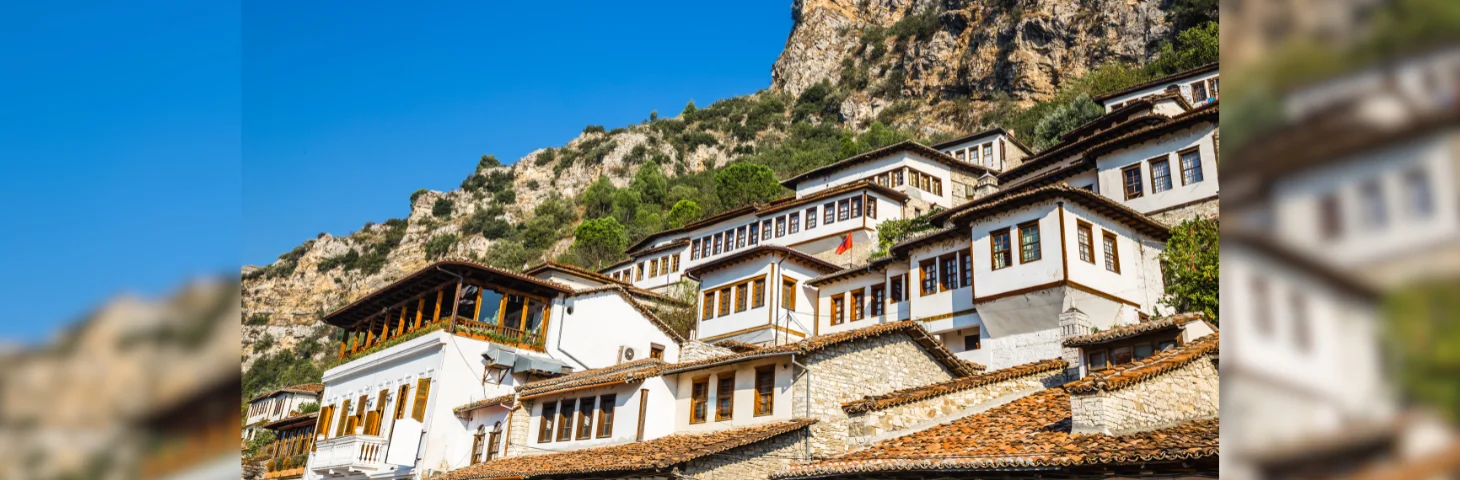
point(511, 337)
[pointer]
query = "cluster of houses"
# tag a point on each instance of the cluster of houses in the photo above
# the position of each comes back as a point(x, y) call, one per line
point(1022, 335)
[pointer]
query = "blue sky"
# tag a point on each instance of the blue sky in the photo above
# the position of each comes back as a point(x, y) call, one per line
point(120, 142)
point(350, 107)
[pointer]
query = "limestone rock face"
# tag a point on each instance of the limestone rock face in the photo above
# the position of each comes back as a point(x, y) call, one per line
point(977, 48)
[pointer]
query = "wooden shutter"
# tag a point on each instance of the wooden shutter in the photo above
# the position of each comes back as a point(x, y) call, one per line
point(418, 408)
point(400, 402)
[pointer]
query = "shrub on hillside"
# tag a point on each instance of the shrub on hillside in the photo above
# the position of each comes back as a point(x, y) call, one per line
point(442, 208)
point(439, 245)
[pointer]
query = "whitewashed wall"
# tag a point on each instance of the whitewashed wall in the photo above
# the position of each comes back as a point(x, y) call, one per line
point(1166, 146)
point(988, 281)
point(601, 323)
point(1184, 83)
point(867, 169)
point(627, 397)
point(800, 320)
point(743, 413)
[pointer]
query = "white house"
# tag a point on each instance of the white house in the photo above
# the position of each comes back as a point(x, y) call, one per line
point(276, 405)
point(758, 296)
point(1197, 86)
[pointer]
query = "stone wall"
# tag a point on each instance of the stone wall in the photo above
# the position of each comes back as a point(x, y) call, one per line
point(852, 370)
point(899, 420)
point(1205, 209)
point(696, 350)
point(519, 422)
point(1187, 393)
point(1011, 350)
point(753, 461)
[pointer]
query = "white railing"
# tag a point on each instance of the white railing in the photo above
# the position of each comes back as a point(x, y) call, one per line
point(348, 454)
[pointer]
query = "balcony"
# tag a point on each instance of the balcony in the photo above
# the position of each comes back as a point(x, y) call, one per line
point(499, 334)
point(350, 455)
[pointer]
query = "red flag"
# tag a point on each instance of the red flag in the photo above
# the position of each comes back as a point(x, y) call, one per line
point(845, 245)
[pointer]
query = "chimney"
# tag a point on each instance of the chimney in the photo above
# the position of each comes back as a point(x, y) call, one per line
point(987, 185)
point(1073, 323)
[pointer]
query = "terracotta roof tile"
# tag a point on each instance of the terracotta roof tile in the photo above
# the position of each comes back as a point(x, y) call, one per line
point(1100, 204)
point(647, 456)
point(622, 373)
point(932, 345)
point(573, 269)
point(1148, 368)
point(909, 395)
point(292, 421)
point(870, 266)
point(1133, 330)
point(736, 346)
point(484, 403)
point(1028, 433)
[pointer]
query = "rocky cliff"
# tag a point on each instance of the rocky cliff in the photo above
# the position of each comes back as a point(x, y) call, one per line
point(923, 66)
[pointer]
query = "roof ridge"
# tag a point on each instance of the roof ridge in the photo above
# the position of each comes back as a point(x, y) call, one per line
point(1141, 370)
point(912, 394)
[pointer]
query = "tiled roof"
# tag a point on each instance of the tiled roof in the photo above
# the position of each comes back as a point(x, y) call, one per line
point(924, 237)
point(430, 276)
point(909, 395)
point(736, 346)
point(621, 373)
point(932, 345)
point(793, 201)
point(1206, 113)
point(484, 403)
point(746, 210)
point(667, 246)
point(314, 388)
point(870, 266)
point(628, 294)
point(990, 132)
point(1027, 434)
point(572, 269)
point(647, 456)
point(1133, 330)
point(292, 421)
point(1148, 368)
point(1094, 201)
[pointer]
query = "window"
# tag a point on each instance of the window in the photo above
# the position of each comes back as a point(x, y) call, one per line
point(856, 207)
point(765, 383)
point(1160, 175)
point(765, 230)
point(973, 341)
point(948, 272)
point(1190, 166)
point(653, 268)
point(1084, 239)
point(545, 427)
point(1112, 253)
point(741, 297)
point(724, 302)
point(999, 246)
point(492, 442)
point(1199, 92)
point(1330, 218)
point(1029, 250)
point(811, 218)
point(605, 415)
point(719, 238)
point(871, 207)
point(859, 306)
point(896, 294)
point(897, 179)
point(709, 306)
point(780, 226)
point(928, 277)
point(754, 237)
point(788, 293)
point(724, 397)
point(565, 421)
point(740, 237)
point(795, 220)
point(640, 275)
point(757, 293)
point(706, 247)
point(878, 304)
point(1131, 178)
point(1302, 333)
point(400, 401)
point(1417, 190)
point(694, 249)
point(988, 154)
point(965, 264)
point(699, 397)
point(674, 261)
point(418, 407)
point(656, 351)
point(843, 209)
point(1143, 351)
point(585, 418)
point(828, 212)
point(1375, 211)
point(838, 310)
point(476, 445)
point(1121, 355)
point(1096, 360)
point(730, 240)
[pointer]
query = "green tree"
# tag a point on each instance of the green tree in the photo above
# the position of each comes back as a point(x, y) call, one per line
point(417, 194)
point(309, 407)
point(1190, 13)
point(689, 111)
point(1192, 48)
point(255, 446)
point(742, 184)
point(599, 241)
point(488, 161)
point(1063, 119)
point(889, 232)
point(679, 193)
point(597, 200)
point(626, 205)
point(684, 213)
point(647, 221)
point(439, 245)
point(1191, 267)
point(508, 254)
point(487, 223)
point(442, 208)
point(649, 181)
point(1422, 323)
point(548, 220)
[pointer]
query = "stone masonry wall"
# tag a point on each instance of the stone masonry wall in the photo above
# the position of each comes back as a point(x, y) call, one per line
point(852, 370)
point(1187, 393)
point(875, 425)
point(1204, 209)
point(1011, 350)
point(519, 422)
point(696, 350)
point(754, 461)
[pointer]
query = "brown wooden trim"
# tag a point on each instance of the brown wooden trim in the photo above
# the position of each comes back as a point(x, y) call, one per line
point(1011, 293)
point(754, 329)
point(1064, 255)
point(1126, 193)
point(643, 410)
point(942, 316)
point(1092, 291)
point(1181, 169)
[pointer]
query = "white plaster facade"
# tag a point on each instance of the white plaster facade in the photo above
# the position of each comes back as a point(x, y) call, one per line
point(1178, 188)
point(1208, 78)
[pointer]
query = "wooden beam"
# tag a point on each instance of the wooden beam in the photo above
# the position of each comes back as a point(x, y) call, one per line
point(420, 309)
point(436, 317)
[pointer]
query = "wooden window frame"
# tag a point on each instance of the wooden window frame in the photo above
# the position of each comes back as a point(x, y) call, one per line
point(1330, 216)
point(871, 202)
point(719, 243)
point(742, 296)
point(606, 408)
point(707, 310)
point(585, 417)
point(856, 207)
point(780, 226)
point(810, 215)
point(838, 307)
point(1086, 247)
point(878, 300)
point(844, 210)
point(740, 237)
point(788, 292)
point(640, 275)
point(757, 292)
point(1038, 242)
point(753, 237)
point(653, 268)
point(1181, 156)
point(926, 285)
point(724, 302)
point(423, 395)
point(765, 403)
point(898, 294)
point(694, 249)
point(675, 265)
point(656, 351)
point(547, 425)
point(699, 400)
point(724, 398)
point(977, 340)
point(1112, 260)
point(1151, 165)
point(793, 223)
point(828, 213)
point(857, 300)
point(1126, 185)
point(729, 240)
point(965, 269)
point(1007, 251)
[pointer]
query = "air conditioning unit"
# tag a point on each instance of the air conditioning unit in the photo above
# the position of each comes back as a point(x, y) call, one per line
point(627, 354)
